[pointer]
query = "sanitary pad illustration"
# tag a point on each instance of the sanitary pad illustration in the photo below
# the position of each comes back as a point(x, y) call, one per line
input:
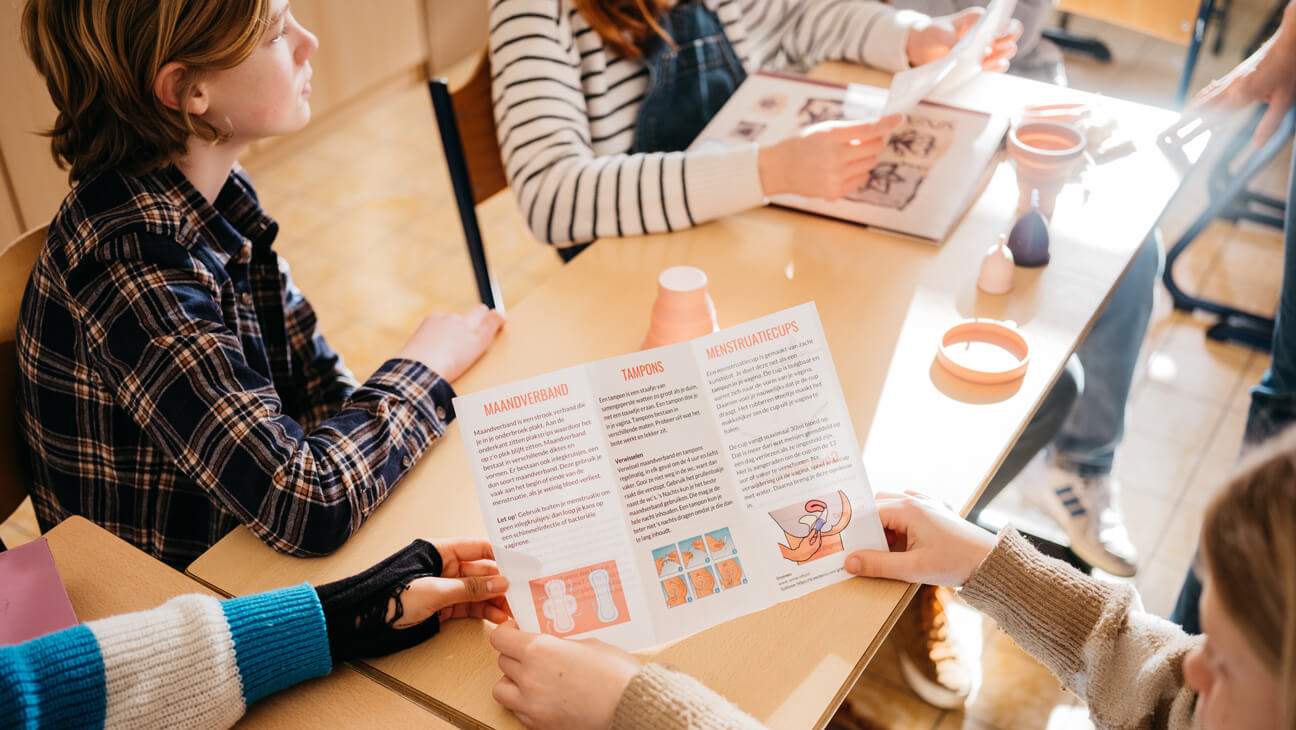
point(580, 600)
point(811, 527)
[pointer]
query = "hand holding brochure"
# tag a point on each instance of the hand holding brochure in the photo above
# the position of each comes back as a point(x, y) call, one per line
point(645, 497)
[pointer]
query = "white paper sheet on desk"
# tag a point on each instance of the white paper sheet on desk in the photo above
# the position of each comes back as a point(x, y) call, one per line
point(954, 69)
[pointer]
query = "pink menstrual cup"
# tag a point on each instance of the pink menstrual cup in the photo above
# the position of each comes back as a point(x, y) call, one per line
point(683, 309)
point(1046, 154)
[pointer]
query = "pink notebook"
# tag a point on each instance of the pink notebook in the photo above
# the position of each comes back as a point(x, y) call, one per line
point(33, 601)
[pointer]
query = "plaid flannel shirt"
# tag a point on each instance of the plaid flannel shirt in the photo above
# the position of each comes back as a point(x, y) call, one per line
point(173, 382)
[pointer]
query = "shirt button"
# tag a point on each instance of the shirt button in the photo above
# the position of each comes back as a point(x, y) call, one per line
point(406, 461)
point(245, 299)
point(440, 413)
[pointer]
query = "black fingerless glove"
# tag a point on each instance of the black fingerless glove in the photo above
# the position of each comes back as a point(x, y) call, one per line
point(355, 608)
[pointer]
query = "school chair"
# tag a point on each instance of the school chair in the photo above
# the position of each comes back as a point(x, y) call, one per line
point(16, 261)
point(466, 119)
point(1232, 199)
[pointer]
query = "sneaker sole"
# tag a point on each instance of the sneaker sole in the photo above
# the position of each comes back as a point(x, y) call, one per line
point(927, 690)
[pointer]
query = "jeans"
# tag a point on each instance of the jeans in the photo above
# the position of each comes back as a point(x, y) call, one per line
point(1273, 401)
point(1041, 429)
point(1087, 443)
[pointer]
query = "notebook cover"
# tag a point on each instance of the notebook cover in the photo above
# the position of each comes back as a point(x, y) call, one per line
point(33, 601)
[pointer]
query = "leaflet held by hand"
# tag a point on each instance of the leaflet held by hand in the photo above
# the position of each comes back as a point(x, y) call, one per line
point(645, 497)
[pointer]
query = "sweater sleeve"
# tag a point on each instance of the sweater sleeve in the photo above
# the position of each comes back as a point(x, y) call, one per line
point(567, 193)
point(1094, 636)
point(860, 31)
point(661, 698)
point(194, 661)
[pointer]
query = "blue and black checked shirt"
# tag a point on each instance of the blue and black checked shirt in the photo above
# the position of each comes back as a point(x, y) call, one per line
point(173, 382)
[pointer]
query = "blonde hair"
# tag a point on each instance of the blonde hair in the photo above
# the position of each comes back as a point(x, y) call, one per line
point(100, 57)
point(1249, 541)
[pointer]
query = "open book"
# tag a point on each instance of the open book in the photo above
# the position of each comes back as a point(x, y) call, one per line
point(930, 169)
point(648, 496)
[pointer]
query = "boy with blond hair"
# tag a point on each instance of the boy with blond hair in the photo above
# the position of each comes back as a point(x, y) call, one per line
point(173, 382)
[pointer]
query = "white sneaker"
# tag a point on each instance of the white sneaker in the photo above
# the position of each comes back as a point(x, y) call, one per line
point(1088, 508)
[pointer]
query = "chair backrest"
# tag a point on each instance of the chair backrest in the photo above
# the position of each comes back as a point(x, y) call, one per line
point(466, 119)
point(16, 261)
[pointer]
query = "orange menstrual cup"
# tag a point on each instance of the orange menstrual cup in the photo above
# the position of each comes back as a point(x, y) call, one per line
point(1046, 155)
point(683, 309)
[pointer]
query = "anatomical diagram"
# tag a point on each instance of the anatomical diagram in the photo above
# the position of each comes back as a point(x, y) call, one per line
point(812, 528)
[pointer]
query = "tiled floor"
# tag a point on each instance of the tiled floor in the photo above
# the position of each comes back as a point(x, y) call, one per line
point(370, 228)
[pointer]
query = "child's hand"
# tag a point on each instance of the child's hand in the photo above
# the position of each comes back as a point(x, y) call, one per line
point(927, 43)
point(560, 683)
point(470, 585)
point(449, 343)
point(828, 160)
point(931, 543)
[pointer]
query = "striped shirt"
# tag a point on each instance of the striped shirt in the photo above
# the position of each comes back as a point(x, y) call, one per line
point(194, 661)
point(566, 105)
point(173, 382)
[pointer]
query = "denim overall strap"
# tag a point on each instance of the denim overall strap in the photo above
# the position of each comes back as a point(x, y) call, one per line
point(688, 82)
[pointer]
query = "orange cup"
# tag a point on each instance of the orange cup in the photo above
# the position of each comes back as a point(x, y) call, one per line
point(1046, 154)
point(683, 309)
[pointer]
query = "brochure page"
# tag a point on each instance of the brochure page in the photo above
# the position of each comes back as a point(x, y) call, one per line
point(648, 496)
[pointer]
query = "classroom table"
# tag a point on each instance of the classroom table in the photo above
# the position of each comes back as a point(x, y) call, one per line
point(883, 300)
point(106, 576)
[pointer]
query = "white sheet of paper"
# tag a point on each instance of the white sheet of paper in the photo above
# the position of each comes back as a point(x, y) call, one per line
point(968, 52)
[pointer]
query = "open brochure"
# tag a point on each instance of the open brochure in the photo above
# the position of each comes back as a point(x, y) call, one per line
point(645, 497)
point(927, 175)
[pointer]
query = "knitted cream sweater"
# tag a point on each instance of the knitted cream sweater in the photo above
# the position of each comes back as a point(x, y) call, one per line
point(1125, 663)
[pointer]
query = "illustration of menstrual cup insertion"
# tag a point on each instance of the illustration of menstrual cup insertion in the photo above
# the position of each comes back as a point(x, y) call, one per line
point(683, 309)
point(1046, 155)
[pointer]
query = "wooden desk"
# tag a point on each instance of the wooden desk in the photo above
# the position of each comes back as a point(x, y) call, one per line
point(106, 576)
point(883, 301)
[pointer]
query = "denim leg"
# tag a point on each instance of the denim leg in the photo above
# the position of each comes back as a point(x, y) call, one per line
point(1087, 443)
point(1041, 430)
point(1273, 401)
point(1186, 607)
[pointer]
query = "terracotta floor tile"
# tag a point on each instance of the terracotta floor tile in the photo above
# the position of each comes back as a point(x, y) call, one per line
point(1162, 410)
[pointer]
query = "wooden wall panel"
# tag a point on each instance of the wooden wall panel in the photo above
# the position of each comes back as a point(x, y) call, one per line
point(361, 45)
point(1170, 20)
point(39, 185)
point(456, 29)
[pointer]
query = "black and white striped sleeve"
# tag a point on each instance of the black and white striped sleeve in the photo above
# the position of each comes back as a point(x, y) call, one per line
point(567, 193)
point(862, 31)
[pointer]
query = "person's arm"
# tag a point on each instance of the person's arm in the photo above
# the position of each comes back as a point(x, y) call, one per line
point(153, 327)
point(1126, 664)
point(864, 32)
point(565, 684)
point(323, 381)
point(566, 192)
point(1266, 76)
point(195, 661)
point(663, 698)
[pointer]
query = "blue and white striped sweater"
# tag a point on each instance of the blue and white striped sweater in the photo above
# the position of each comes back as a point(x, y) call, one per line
point(195, 661)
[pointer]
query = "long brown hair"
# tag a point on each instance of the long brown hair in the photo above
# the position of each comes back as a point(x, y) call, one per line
point(1249, 540)
point(99, 59)
point(625, 25)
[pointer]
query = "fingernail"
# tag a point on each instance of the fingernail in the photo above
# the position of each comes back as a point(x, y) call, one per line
point(853, 565)
point(498, 584)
